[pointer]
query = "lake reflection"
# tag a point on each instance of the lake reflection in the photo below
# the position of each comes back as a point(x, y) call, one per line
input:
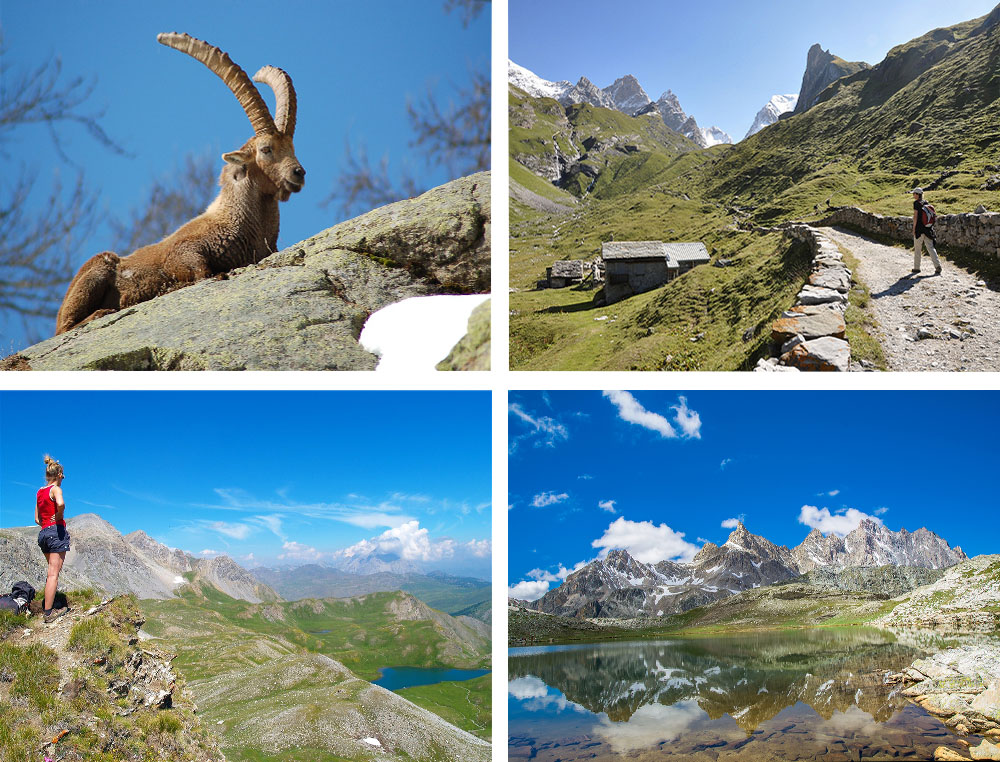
point(807, 694)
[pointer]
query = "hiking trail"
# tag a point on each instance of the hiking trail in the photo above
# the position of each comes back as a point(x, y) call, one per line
point(947, 322)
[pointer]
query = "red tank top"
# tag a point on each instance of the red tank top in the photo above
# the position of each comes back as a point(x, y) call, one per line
point(47, 508)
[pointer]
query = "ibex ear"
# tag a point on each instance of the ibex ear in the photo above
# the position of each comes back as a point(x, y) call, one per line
point(236, 157)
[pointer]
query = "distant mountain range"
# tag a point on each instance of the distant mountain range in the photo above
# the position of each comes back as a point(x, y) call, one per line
point(625, 94)
point(111, 563)
point(619, 586)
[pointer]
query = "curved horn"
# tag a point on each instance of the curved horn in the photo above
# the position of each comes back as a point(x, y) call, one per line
point(285, 104)
point(235, 78)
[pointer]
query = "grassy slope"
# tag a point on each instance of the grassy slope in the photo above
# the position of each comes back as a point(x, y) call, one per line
point(466, 704)
point(101, 729)
point(218, 637)
point(854, 147)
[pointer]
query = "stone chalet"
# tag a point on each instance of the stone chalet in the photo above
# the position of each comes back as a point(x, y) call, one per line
point(632, 267)
point(565, 272)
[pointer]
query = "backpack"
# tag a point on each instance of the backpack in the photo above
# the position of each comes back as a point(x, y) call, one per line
point(18, 598)
point(927, 215)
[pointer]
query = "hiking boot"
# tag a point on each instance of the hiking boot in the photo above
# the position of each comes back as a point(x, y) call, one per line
point(55, 614)
point(937, 271)
point(914, 272)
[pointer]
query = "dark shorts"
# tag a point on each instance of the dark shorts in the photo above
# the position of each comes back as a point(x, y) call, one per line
point(54, 539)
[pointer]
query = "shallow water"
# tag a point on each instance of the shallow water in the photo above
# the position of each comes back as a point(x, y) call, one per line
point(397, 678)
point(800, 695)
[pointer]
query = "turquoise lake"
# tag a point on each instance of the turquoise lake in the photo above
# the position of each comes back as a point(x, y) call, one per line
point(397, 678)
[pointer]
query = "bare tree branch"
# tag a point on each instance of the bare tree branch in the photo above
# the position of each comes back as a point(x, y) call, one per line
point(470, 9)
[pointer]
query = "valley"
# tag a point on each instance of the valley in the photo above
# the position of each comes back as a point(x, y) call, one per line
point(585, 172)
point(277, 679)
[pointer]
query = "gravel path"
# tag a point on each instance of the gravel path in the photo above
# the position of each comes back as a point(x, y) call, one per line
point(942, 322)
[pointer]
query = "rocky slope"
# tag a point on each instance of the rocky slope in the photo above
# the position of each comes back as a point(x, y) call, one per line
point(301, 308)
point(84, 688)
point(621, 587)
point(883, 581)
point(822, 69)
point(627, 95)
point(772, 111)
point(872, 544)
point(103, 559)
point(965, 599)
point(618, 586)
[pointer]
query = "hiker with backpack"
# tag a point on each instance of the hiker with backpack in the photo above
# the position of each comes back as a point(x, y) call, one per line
point(924, 218)
point(53, 538)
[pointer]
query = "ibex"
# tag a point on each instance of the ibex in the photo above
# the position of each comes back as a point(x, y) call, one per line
point(240, 227)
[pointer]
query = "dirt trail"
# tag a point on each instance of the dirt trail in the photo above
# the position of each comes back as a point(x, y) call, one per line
point(947, 322)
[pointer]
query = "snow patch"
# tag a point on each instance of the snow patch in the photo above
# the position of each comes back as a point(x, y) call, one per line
point(417, 333)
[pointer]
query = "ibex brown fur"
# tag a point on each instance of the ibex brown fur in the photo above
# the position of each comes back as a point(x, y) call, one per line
point(240, 227)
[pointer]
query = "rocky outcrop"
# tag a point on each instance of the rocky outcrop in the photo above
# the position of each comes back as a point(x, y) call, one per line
point(811, 336)
point(585, 91)
point(961, 686)
point(965, 599)
point(669, 109)
point(822, 69)
point(301, 308)
point(978, 233)
point(871, 544)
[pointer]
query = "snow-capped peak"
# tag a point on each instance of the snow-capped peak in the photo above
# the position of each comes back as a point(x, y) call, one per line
point(774, 108)
point(534, 85)
point(714, 136)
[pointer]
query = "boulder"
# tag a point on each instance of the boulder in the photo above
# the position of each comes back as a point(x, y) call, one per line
point(301, 308)
point(944, 754)
point(810, 321)
point(985, 750)
point(987, 703)
point(822, 354)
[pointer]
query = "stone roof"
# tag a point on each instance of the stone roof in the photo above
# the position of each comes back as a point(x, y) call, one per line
point(687, 252)
point(673, 252)
point(567, 268)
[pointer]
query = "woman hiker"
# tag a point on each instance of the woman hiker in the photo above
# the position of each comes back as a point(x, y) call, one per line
point(53, 538)
point(923, 236)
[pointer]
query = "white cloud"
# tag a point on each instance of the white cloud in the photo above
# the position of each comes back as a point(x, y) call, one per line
point(208, 553)
point(528, 590)
point(687, 419)
point(296, 551)
point(479, 548)
point(833, 492)
point(549, 431)
point(631, 411)
point(548, 498)
point(541, 575)
point(645, 541)
point(362, 513)
point(585, 477)
point(607, 505)
point(272, 522)
point(235, 531)
point(411, 542)
point(730, 523)
point(527, 688)
point(725, 462)
point(840, 523)
point(880, 511)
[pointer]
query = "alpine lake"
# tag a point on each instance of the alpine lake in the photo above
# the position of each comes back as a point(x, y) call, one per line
point(817, 694)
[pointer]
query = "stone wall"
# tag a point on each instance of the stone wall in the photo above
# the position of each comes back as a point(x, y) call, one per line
point(975, 232)
point(811, 335)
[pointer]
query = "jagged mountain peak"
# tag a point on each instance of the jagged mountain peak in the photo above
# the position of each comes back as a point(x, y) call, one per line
point(822, 69)
point(772, 111)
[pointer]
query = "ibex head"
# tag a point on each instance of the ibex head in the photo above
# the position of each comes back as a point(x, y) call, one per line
point(270, 154)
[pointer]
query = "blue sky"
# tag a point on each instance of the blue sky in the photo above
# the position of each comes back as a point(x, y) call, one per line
point(589, 472)
point(287, 476)
point(354, 65)
point(723, 59)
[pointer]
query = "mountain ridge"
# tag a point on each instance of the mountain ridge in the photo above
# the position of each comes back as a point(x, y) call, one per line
point(621, 587)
